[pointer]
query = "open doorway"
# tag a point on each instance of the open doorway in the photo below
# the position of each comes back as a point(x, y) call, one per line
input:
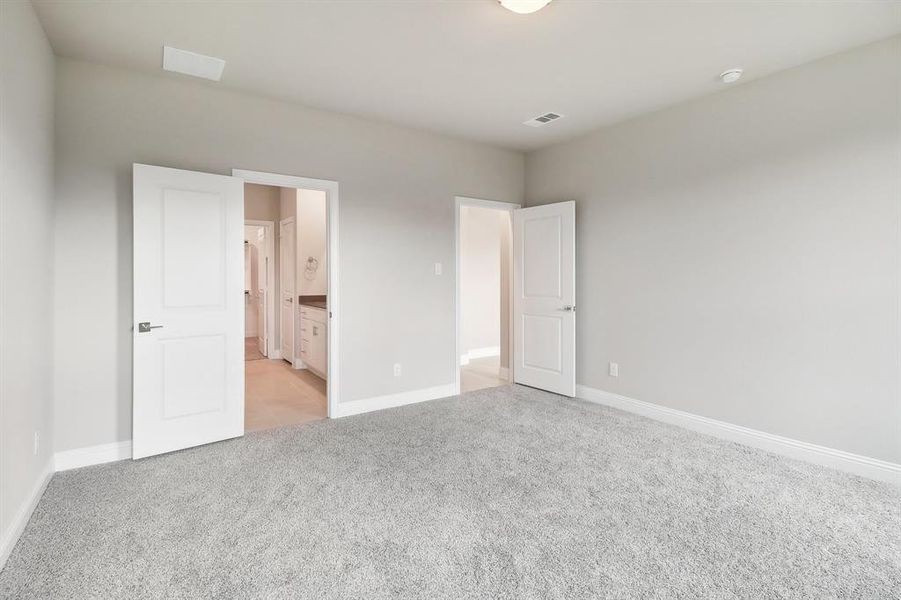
point(286, 300)
point(484, 284)
point(259, 237)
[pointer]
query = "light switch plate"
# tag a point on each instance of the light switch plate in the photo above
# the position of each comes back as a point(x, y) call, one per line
point(437, 268)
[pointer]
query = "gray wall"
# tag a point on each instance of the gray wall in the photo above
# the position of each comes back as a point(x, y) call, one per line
point(396, 221)
point(262, 202)
point(738, 255)
point(26, 256)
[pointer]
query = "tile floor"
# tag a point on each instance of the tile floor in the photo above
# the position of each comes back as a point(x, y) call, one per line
point(252, 349)
point(481, 373)
point(277, 395)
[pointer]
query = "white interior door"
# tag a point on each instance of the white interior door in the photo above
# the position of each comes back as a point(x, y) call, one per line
point(188, 309)
point(262, 325)
point(287, 251)
point(544, 287)
point(263, 291)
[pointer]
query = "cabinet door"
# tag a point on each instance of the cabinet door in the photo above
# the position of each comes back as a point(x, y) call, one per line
point(318, 346)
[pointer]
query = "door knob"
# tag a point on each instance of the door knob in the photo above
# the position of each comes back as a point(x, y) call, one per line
point(145, 327)
point(569, 308)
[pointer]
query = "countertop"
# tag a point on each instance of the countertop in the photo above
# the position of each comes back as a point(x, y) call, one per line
point(312, 301)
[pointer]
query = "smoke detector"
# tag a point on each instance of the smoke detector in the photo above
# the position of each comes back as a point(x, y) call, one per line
point(731, 76)
point(542, 119)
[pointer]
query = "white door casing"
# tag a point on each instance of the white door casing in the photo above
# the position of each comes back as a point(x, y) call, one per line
point(332, 190)
point(267, 293)
point(188, 382)
point(287, 254)
point(544, 290)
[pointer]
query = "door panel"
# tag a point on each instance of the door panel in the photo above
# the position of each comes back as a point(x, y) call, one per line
point(188, 286)
point(544, 287)
point(193, 375)
point(193, 232)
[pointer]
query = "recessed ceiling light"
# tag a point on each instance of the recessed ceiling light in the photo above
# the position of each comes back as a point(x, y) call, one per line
point(731, 76)
point(524, 7)
point(191, 63)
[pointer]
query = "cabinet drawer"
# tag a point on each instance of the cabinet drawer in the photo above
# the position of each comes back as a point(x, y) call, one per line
point(315, 314)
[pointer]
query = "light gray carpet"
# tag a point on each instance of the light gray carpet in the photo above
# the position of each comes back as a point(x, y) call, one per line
point(503, 493)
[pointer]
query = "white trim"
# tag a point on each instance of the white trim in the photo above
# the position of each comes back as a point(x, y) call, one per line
point(271, 307)
point(331, 190)
point(459, 203)
point(20, 519)
point(366, 405)
point(479, 353)
point(504, 373)
point(92, 455)
point(484, 352)
point(829, 457)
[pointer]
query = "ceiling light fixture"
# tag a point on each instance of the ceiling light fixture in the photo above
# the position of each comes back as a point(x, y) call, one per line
point(731, 76)
point(524, 7)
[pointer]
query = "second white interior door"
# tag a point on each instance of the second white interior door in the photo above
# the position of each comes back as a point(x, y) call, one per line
point(286, 279)
point(263, 234)
point(544, 287)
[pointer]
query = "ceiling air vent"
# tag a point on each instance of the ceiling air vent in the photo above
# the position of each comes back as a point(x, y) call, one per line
point(191, 63)
point(542, 119)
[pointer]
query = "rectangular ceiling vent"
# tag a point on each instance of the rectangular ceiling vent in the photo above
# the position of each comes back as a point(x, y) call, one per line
point(191, 63)
point(542, 119)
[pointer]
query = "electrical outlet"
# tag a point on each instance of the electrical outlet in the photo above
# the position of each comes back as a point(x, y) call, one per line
point(614, 369)
point(397, 369)
point(437, 268)
point(37, 442)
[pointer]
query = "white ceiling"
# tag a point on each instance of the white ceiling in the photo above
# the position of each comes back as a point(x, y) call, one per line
point(471, 68)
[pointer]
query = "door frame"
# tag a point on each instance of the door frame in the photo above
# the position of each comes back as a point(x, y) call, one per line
point(331, 195)
point(269, 226)
point(459, 203)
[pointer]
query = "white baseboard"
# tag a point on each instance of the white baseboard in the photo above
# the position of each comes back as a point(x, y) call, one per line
point(484, 352)
point(17, 525)
point(479, 353)
point(357, 407)
point(829, 457)
point(92, 455)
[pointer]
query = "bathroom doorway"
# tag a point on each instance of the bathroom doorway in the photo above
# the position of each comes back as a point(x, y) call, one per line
point(289, 318)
